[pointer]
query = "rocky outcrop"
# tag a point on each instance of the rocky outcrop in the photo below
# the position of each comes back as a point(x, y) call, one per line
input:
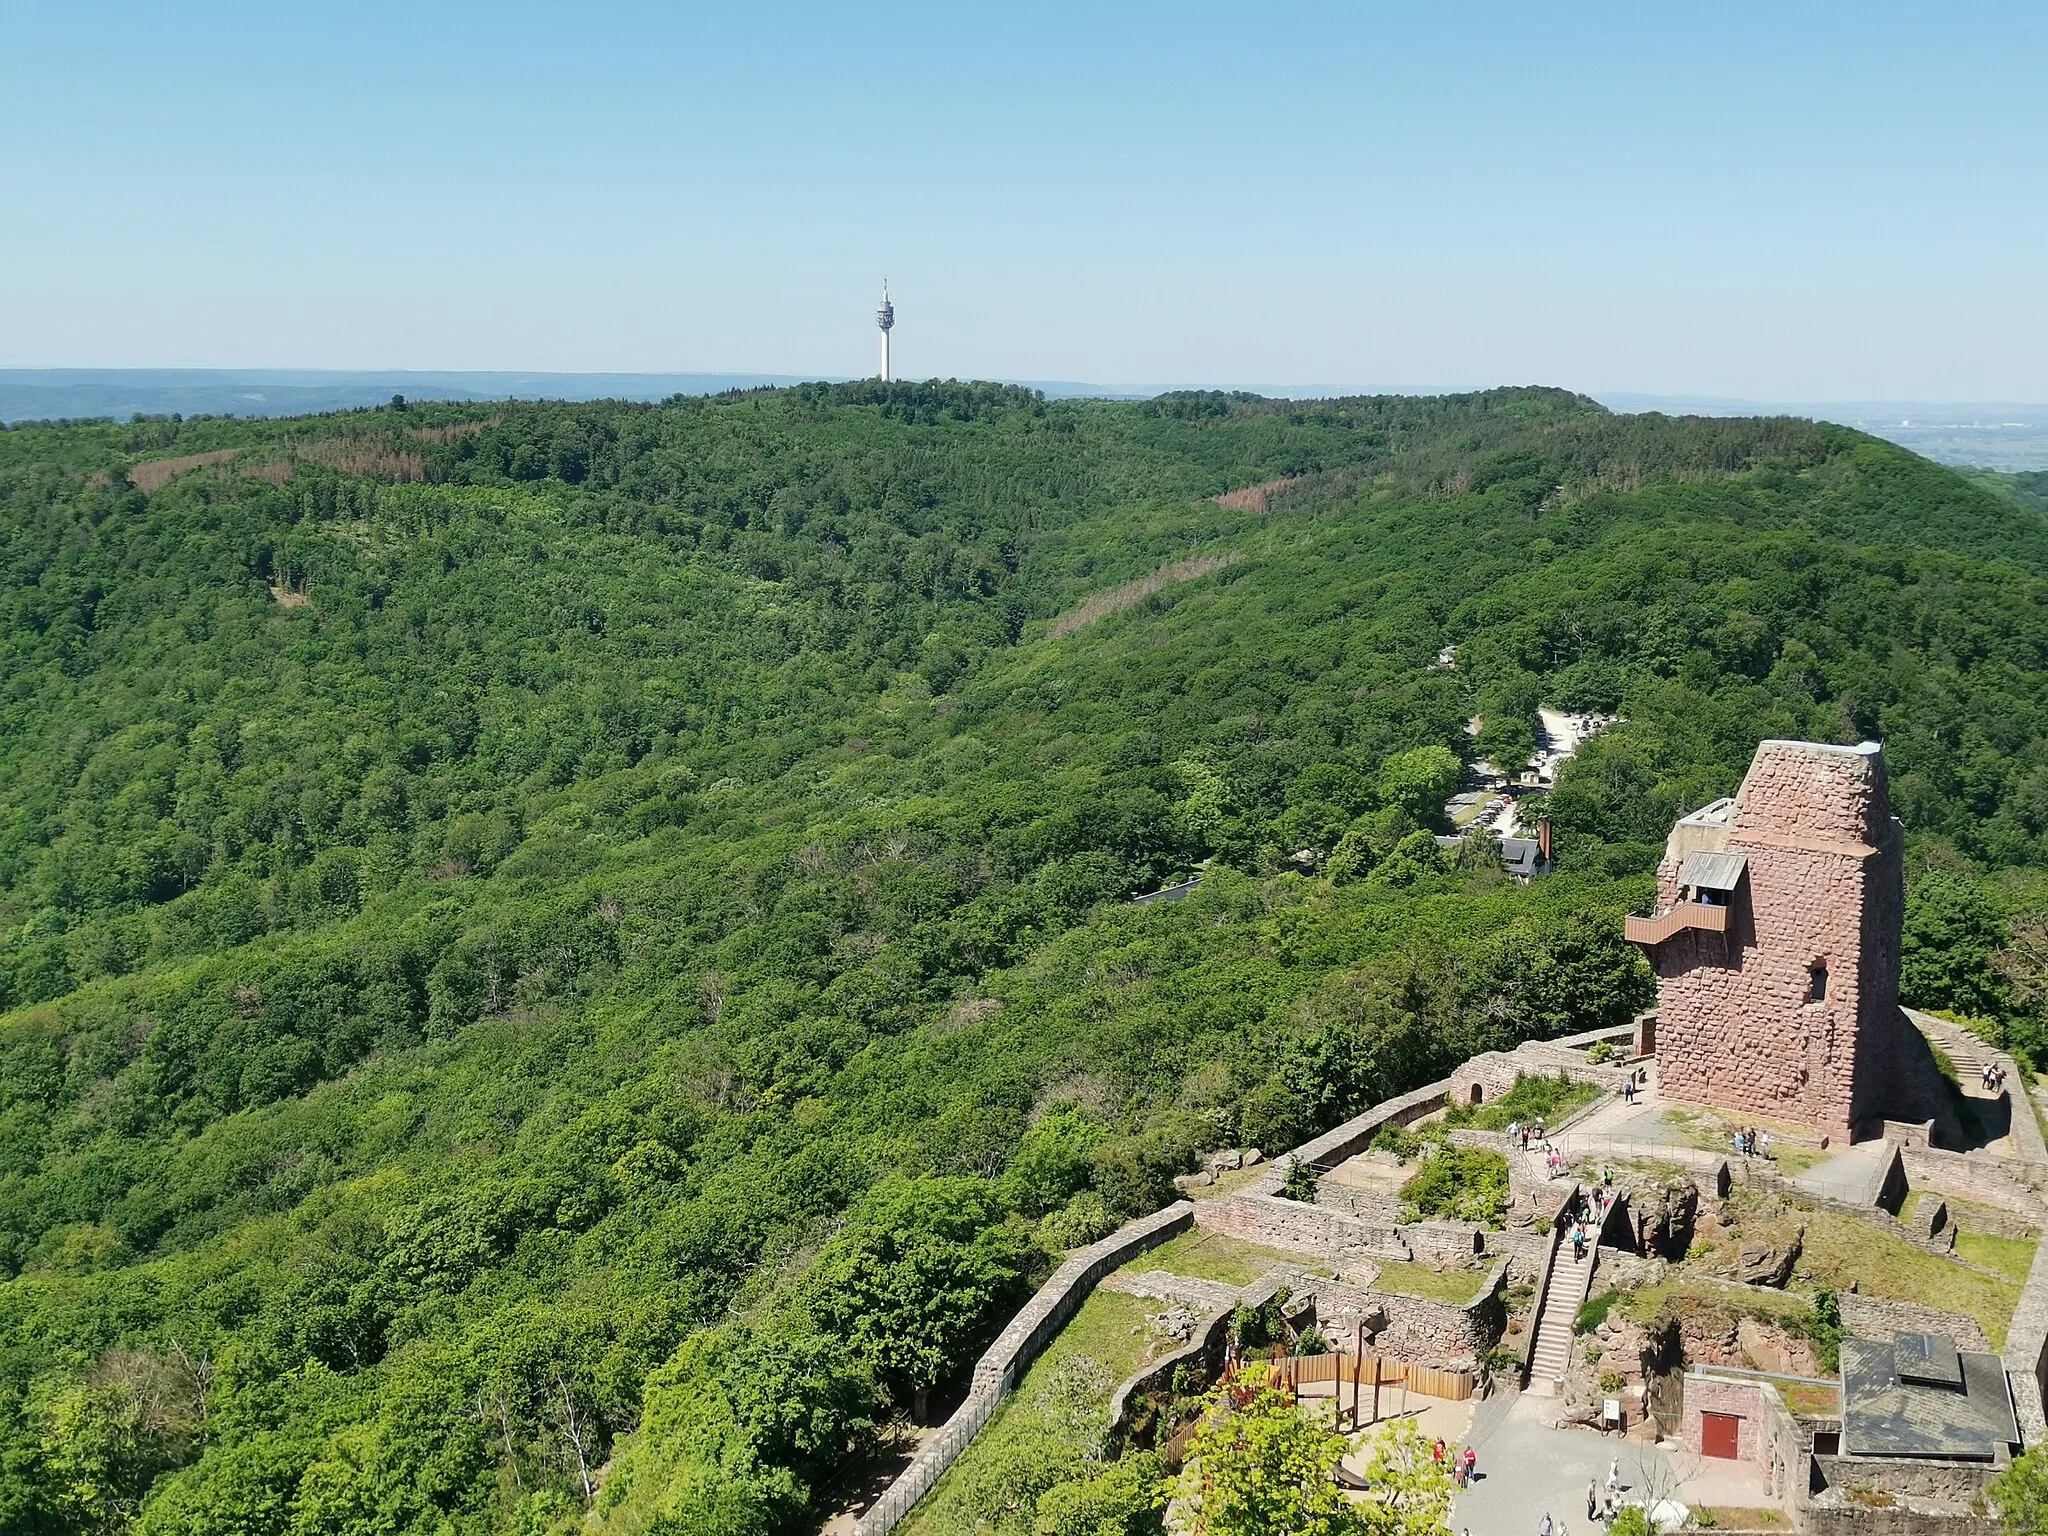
point(1662, 1213)
point(1761, 1262)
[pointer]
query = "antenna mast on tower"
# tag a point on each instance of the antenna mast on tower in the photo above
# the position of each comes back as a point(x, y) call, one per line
point(885, 317)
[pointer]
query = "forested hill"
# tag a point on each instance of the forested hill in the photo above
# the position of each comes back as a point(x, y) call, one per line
point(569, 964)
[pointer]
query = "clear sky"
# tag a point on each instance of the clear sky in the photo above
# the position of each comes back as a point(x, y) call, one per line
point(1788, 201)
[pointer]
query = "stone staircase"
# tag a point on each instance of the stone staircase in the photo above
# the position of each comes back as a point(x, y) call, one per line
point(1968, 1053)
point(1571, 1281)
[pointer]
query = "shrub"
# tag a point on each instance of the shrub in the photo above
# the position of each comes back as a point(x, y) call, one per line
point(1083, 1220)
point(1595, 1311)
point(1603, 1051)
point(1462, 1183)
point(1300, 1183)
point(1397, 1139)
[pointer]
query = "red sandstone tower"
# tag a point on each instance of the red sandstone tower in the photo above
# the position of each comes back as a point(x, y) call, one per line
point(1776, 947)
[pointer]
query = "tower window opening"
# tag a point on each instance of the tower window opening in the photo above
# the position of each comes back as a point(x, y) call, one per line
point(1817, 984)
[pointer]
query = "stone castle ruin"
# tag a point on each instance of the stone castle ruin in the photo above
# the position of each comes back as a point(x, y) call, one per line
point(1776, 944)
point(1776, 948)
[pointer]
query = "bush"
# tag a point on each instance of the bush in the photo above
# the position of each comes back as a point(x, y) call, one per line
point(1300, 1183)
point(1603, 1052)
point(1595, 1311)
point(1397, 1139)
point(1461, 1183)
point(1823, 1329)
point(1083, 1220)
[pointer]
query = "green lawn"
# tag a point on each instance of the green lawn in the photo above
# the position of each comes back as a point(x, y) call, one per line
point(1840, 1249)
point(1812, 1402)
point(1230, 1181)
point(1456, 1286)
point(2010, 1256)
point(1710, 1131)
point(1042, 1427)
point(1211, 1256)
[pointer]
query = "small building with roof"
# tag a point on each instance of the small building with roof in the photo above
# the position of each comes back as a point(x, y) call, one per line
point(1917, 1396)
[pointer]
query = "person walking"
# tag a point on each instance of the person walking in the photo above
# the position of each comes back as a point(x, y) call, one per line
point(1614, 1474)
point(1592, 1501)
point(1546, 1527)
point(1471, 1465)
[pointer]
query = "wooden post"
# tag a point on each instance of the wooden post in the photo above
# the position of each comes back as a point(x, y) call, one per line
point(1357, 1366)
point(1375, 1389)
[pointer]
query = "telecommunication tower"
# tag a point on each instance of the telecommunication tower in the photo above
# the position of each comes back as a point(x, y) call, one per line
point(885, 317)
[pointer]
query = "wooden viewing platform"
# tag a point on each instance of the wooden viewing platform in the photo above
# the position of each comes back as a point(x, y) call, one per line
point(1686, 914)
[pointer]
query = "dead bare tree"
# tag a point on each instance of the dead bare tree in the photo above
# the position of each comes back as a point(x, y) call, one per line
point(573, 1432)
point(498, 1407)
point(201, 1372)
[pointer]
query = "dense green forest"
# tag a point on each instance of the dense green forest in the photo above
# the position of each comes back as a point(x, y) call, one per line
point(566, 967)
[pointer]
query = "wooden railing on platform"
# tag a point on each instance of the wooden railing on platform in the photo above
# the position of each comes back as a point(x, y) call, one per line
point(1685, 914)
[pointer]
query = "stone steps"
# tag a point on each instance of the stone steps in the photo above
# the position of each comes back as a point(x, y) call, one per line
point(1570, 1282)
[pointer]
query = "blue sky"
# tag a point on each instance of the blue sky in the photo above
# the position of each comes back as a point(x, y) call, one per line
point(1786, 201)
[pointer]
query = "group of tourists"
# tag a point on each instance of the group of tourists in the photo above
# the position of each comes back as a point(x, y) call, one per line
point(1463, 1465)
point(1600, 1506)
point(1589, 1215)
point(1751, 1142)
point(1533, 1138)
point(1607, 1506)
point(1994, 1077)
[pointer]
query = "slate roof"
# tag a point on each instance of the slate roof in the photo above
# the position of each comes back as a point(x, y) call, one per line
point(1179, 892)
point(1523, 856)
point(1712, 871)
point(1885, 1414)
point(1928, 1360)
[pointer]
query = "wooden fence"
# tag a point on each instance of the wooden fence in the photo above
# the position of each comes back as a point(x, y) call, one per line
point(1299, 1370)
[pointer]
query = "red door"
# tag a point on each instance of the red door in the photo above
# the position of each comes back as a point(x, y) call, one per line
point(1719, 1433)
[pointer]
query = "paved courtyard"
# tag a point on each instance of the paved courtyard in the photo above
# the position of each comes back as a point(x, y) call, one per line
point(1526, 1468)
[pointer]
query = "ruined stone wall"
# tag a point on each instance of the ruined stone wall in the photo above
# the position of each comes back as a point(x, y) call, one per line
point(1375, 1207)
point(1273, 1222)
point(1421, 1332)
point(2011, 1186)
point(1946, 1482)
point(1832, 1516)
point(1004, 1361)
point(1736, 1027)
point(1494, 1073)
point(1444, 1241)
point(1867, 1317)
